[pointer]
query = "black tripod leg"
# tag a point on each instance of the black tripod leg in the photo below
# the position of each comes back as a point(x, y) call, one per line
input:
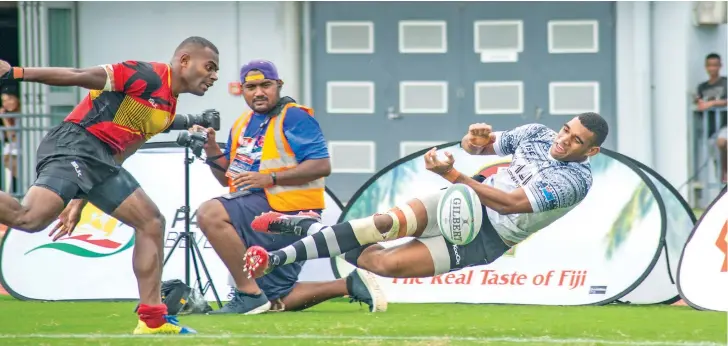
point(176, 242)
point(195, 254)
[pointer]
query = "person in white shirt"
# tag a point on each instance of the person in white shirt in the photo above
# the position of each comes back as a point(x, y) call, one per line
point(548, 176)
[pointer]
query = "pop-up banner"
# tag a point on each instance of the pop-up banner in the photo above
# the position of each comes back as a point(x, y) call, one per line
point(661, 285)
point(703, 271)
point(600, 252)
point(95, 262)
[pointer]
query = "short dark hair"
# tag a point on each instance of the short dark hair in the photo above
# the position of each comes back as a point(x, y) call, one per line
point(197, 41)
point(713, 56)
point(597, 125)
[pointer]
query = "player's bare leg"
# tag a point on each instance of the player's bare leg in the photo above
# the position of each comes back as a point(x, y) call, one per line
point(215, 223)
point(409, 219)
point(39, 208)
point(217, 227)
point(307, 294)
point(409, 260)
point(139, 212)
point(360, 286)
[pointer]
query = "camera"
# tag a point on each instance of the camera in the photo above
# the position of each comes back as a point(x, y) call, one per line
point(208, 118)
point(193, 140)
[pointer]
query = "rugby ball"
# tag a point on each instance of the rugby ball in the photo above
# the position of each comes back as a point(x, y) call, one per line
point(459, 214)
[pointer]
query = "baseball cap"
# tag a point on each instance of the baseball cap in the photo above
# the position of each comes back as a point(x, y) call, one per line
point(267, 71)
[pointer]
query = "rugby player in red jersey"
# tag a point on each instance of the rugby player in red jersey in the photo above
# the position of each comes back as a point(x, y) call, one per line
point(79, 161)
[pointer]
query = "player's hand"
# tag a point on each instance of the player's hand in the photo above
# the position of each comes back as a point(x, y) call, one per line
point(68, 219)
point(479, 135)
point(4, 68)
point(211, 142)
point(435, 165)
point(252, 180)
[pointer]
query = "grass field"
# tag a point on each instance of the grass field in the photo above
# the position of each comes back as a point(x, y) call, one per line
point(340, 323)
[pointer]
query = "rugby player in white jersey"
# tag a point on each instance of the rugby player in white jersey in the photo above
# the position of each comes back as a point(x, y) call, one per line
point(548, 176)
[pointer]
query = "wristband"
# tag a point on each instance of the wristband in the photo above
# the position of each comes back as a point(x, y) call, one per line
point(15, 73)
point(452, 175)
point(274, 177)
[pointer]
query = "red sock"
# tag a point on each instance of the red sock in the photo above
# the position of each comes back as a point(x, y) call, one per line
point(152, 315)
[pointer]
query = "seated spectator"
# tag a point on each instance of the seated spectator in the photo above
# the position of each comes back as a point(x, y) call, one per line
point(10, 104)
point(713, 94)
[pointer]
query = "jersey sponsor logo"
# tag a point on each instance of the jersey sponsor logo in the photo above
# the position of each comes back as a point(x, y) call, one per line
point(548, 193)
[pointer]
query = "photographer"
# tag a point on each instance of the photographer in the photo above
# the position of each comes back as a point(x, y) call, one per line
point(276, 159)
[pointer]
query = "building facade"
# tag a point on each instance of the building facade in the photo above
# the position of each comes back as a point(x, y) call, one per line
point(387, 79)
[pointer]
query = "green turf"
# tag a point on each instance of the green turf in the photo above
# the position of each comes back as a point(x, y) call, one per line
point(350, 321)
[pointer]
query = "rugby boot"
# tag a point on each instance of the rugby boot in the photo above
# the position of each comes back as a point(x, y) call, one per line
point(244, 304)
point(363, 287)
point(258, 262)
point(275, 222)
point(170, 327)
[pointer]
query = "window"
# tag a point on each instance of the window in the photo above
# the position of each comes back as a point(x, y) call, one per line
point(352, 156)
point(350, 97)
point(423, 97)
point(498, 35)
point(576, 36)
point(61, 45)
point(499, 97)
point(569, 98)
point(350, 37)
point(422, 36)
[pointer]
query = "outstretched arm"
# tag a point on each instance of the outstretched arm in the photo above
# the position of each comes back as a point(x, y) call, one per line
point(94, 78)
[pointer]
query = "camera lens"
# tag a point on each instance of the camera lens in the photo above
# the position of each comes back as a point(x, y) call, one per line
point(183, 139)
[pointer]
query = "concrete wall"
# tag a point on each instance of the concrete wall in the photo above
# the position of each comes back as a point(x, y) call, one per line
point(242, 31)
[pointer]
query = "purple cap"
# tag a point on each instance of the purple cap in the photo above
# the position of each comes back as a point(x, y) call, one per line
point(266, 68)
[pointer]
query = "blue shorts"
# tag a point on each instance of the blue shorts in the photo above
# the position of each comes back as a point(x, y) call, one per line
point(242, 210)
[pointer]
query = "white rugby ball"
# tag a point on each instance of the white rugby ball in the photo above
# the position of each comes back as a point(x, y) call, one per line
point(459, 214)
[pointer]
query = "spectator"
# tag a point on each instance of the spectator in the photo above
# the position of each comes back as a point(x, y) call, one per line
point(711, 94)
point(10, 104)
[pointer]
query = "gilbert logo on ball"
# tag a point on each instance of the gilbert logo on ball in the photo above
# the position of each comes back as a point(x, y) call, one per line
point(459, 214)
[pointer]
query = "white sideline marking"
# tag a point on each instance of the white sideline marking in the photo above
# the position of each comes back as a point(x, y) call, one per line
point(545, 339)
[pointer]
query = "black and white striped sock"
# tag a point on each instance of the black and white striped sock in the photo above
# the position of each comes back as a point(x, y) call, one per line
point(321, 242)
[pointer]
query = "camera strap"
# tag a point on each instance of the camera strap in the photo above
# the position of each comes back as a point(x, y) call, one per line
point(210, 161)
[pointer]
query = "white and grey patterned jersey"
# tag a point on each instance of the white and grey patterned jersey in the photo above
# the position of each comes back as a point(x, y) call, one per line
point(553, 187)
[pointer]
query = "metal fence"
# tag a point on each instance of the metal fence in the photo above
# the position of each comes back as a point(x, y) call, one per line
point(18, 144)
point(706, 162)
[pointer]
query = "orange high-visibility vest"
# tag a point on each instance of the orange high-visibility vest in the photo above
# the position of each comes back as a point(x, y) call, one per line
point(277, 156)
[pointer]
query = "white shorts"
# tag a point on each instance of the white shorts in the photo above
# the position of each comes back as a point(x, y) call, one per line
point(485, 248)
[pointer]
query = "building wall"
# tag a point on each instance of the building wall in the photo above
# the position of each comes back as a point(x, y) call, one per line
point(115, 31)
point(423, 65)
point(659, 61)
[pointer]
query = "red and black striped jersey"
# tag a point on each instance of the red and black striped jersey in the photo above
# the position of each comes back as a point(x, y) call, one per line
point(139, 105)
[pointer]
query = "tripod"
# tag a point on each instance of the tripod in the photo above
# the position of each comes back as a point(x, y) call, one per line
point(191, 249)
